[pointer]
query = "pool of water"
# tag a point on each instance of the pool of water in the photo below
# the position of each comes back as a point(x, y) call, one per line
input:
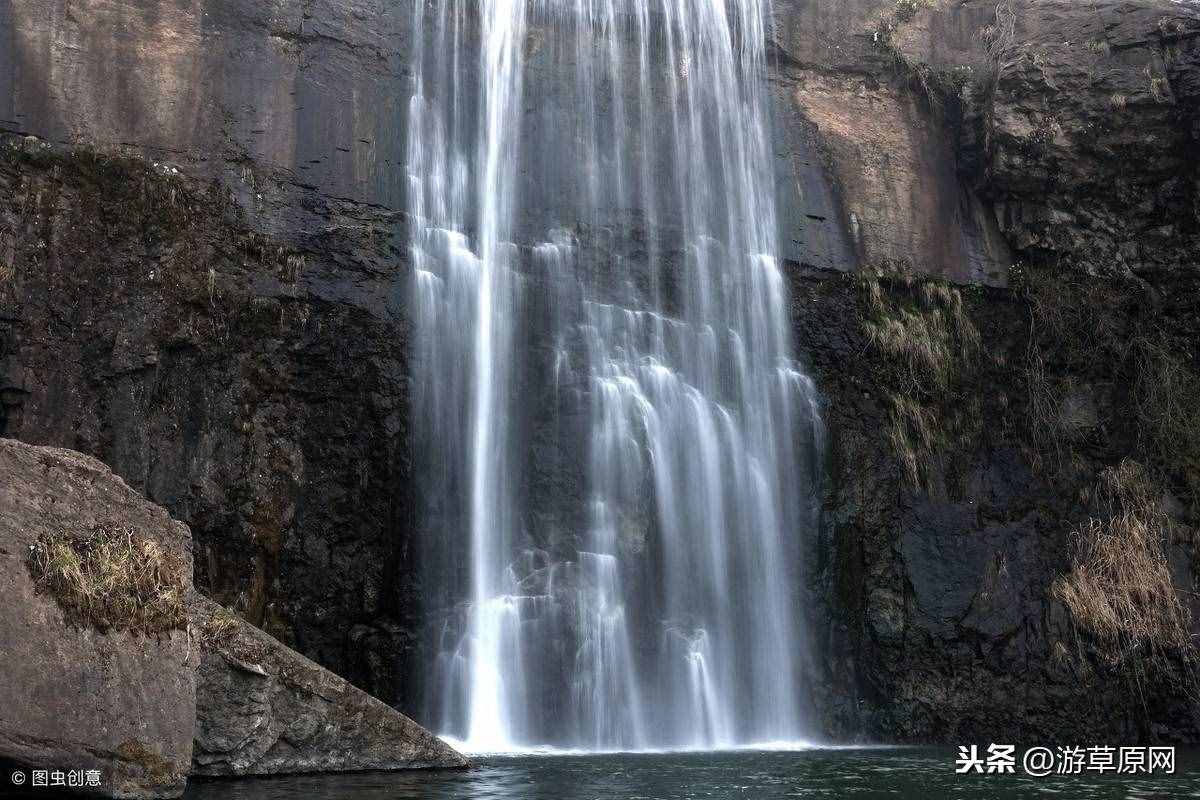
point(917, 773)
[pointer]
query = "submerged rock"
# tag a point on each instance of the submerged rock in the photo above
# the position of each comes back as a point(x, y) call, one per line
point(84, 688)
point(264, 709)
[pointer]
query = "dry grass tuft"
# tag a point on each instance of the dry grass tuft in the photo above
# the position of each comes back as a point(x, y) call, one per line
point(1072, 334)
point(219, 626)
point(1000, 38)
point(914, 438)
point(113, 580)
point(929, 335)
point(926, 344)
point(1167, 400)
point(1160, 87)
point(1120, 587)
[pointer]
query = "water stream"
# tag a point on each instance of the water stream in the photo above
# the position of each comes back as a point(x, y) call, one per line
point(618, 447)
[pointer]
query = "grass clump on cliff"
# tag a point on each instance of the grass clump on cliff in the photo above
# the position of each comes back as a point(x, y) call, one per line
point(1113, 378)
point(218, 626)
point(1167, 403)
point(926, 332)
point(936, 84)
point(1120, 588)
point(925, 344)
point(1109, 341)
point(112, 580)
point(1078, 334)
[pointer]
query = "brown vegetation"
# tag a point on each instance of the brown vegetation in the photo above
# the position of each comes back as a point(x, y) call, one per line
point(112, 580)
point(1120, 586)
point(218, 626)
point(926, 344)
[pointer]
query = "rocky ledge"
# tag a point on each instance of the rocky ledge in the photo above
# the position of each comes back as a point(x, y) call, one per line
point(263, 709)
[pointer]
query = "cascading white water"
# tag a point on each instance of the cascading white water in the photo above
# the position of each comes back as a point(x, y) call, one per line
point(617, 445)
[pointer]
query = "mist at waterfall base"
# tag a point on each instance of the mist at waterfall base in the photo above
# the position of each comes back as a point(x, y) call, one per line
point(617, 450)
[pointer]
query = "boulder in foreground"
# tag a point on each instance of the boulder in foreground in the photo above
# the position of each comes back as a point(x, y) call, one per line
point(264, 709)
point(112, 665)
point(96, 669)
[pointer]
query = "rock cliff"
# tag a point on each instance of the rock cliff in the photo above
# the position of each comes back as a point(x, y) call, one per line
point(988, 445)
point(203, 283)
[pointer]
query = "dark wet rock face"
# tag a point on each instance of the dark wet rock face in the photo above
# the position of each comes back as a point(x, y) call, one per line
point(75, 697)
point(233, 339)
point(263, 709)
point(1080, 98)
point(964, 137)
point(147, 324)
point(257, 387)
point(938, 599)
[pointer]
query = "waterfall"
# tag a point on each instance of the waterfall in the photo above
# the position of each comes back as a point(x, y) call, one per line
point(617, 450)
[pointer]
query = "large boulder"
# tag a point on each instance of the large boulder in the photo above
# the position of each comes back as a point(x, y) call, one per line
point(101, 671)
point(98, 672)
point(264, 709)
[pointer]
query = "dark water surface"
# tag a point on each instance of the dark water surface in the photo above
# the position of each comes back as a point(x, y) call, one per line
point(920, 774)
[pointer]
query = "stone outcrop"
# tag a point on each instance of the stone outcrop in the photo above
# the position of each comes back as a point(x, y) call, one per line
point(1090, 140)
point(884, 146)
point(962, 135)
point(146, 699)
point(74, 697)
point(264, 709)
